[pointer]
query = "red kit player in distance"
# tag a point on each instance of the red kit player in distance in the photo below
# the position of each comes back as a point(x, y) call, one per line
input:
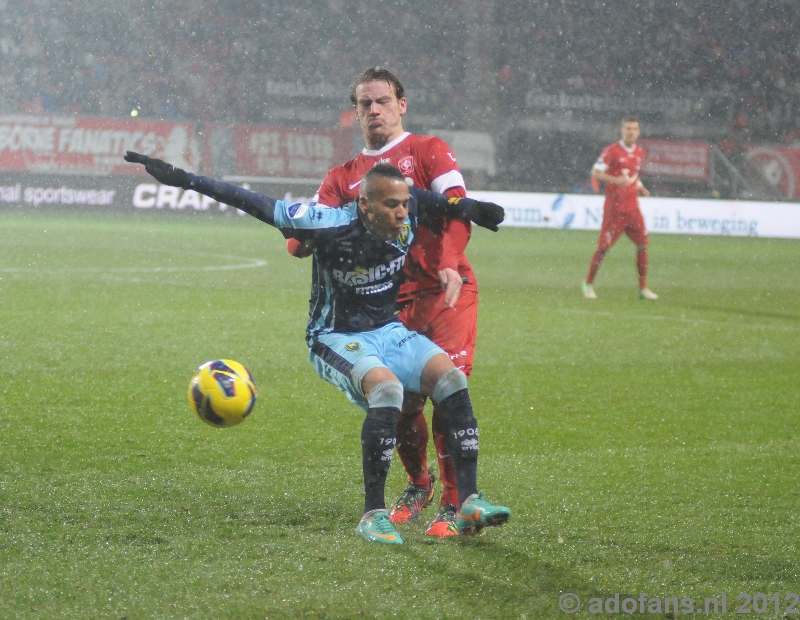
point(439, 295)
point(618, 167)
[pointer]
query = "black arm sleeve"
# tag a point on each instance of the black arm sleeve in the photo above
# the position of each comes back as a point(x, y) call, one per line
point(259, 206)
point(432, 203)
point(486, 214)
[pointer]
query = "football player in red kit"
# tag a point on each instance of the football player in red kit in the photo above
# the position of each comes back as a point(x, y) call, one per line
point(439, 296)
point(618, 167)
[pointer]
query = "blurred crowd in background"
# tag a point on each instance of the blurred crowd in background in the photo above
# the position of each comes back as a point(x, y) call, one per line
point(744, 50)
point(191, 59)
point(187, 59)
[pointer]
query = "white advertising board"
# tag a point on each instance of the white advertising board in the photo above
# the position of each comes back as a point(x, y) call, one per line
point(662, 215)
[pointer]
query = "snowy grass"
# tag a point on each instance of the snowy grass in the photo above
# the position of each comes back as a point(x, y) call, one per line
point(642, 447)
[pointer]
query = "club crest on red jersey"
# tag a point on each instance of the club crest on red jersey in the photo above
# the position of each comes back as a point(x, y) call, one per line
point(406, 164)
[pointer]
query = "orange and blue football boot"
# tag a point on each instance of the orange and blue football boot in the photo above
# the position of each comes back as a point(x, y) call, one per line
point(476, 513)
point(376, 527)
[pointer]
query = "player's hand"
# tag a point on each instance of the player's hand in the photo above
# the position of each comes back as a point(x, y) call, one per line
point(161, 171)
point(486, 214)
point(626, 180)
point(643, 191)
point(299, 249)
point(450, 281)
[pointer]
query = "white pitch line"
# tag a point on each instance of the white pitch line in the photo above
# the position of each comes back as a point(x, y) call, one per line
point(108, 278)
point(254, 262)
point(678, 319)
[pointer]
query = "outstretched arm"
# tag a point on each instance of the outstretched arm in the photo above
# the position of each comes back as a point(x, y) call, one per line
point(293, 220)
point(259, 206)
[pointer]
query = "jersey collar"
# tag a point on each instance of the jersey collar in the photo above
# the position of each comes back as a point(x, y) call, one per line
point(630, 150)
point(386, 147)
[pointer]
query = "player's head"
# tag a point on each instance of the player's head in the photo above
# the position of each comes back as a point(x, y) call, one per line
point(630, 130)
point(380, 103)
point(383, 201)
point(377, 74)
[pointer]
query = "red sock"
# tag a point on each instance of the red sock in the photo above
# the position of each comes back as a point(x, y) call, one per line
point(641, 265)
point(446, 471)
point(597, 260)
point(412, 448)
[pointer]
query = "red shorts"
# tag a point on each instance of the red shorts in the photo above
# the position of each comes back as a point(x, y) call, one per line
point(617, 222)
point(453, 329)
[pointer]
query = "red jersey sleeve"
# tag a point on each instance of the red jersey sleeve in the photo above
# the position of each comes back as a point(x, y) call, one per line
point(606, 160)
point(328, 193)
point(441, 167)
point(442, 173)
point(455, 236)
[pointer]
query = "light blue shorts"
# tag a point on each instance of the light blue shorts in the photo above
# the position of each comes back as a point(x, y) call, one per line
point(344, 359)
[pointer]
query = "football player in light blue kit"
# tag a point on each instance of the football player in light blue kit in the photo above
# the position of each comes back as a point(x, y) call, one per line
point(356, 341)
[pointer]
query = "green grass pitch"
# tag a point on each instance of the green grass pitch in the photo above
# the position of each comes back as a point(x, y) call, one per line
point(642, 447)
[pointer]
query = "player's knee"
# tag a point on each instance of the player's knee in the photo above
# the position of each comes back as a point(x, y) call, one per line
point(450, 382)
point(387, 394)
point(367, 365)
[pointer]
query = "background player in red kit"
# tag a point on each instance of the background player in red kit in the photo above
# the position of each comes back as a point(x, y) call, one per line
point(618, 167)
point(439, 296)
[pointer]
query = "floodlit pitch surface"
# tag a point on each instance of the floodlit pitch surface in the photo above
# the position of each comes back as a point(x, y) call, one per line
point(642, 447)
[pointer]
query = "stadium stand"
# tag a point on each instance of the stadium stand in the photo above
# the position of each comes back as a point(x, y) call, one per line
point(736, 64)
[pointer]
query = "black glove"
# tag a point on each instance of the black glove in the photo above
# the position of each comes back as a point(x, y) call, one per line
point(161, 171)
point(486, 214)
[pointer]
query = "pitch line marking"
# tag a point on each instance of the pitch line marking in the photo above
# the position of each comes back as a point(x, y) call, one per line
point(679, 319)
point(253, 263)
point(133, 280)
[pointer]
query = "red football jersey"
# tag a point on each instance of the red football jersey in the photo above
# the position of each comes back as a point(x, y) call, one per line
point(428, 163)
point(613, 160)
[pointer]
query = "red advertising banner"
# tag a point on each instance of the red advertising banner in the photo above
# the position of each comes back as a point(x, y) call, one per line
point(780, 166)
point(681, 160)
point(263, 151)
point(92, 146)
